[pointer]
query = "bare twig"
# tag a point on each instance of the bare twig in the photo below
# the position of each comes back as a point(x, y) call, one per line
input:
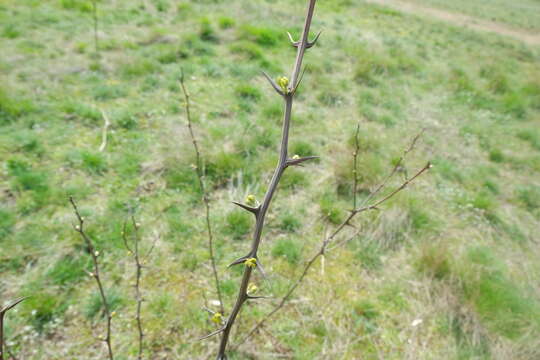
point(134, 250)
point(3, 312)
point(328, 240)
point(200, 176)
point(95, 274)
point(395, 169)
point(106, 125)
point(286, 90)
point(355, 163)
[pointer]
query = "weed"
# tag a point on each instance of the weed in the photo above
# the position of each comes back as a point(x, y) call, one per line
point(288, 249)
point(11, 31)
point(226, 22)
point(94, 305)
point(529, 195)
point(41, 308)
point(434, 261)
point(531, 136)
point(289, 222)
point(68, 270)
point(207, 32)
point(26, 178)
point(7, 220)
point(222, 166)
point(330, 208)
point(248, 92)
point(263, 36)
point(11, 109)
point(500, 303)
point(238, 224)
point(83, 112)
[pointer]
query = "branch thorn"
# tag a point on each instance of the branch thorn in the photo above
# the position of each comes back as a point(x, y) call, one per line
point(300, 160)
point(273, 83)
point(251, 209)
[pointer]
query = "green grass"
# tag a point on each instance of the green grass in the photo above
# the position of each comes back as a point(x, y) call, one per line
point(457, 249)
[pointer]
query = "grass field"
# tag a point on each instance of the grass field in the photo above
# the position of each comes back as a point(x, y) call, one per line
point(457, 250)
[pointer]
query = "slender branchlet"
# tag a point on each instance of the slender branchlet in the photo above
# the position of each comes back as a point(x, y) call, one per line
point(287, 90)
point(355, 164)
point(3, 312)
point(199, 169)
point(79, 227)
point(138, 259)
point(329, 240)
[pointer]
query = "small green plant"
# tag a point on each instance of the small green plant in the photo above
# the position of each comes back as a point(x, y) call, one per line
point(226, 22)
point(263, 36)
point(248, 92)
point(207, 32)
point(289, 222)
point(7, 220)
point(12, 109)
point(238, 224)
point(288, 249)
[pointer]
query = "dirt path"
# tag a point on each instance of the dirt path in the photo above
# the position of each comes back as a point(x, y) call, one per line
point(461, 20)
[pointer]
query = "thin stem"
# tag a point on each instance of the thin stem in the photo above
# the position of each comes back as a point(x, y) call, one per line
point(200, 176)
point(355, 163)
point(395, 169)
point(278, 172)
point(95, 274)
point(138, 274)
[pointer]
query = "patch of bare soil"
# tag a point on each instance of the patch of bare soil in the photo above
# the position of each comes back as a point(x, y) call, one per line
point(525, 36)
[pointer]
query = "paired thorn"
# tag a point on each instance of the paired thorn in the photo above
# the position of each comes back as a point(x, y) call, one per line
point(261, 269)
point(309, 44)
point(12, 305)
point(214, 332)
point(243, 259)
point(239, 260)
point(299, 161)
point(273, 83)
point(251, 209)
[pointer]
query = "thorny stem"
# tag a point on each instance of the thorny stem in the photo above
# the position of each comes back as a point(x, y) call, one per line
point(138, 274)
point(96, 275)
point(328, 240)
point(260, 212)
point(3, 312)
point(200, 176)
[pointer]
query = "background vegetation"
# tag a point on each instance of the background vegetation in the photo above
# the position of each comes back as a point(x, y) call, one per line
point(449, 269)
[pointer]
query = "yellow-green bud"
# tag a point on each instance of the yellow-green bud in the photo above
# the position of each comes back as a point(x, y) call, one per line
point(217, 318)
point(252, 288)
point(250, 200)
point(251, 262)
point(283, 82)
point(296, 157)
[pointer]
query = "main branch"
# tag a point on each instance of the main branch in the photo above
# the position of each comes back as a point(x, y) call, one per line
point(287, 90)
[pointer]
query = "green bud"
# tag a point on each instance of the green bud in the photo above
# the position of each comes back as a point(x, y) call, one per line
point(283, 82)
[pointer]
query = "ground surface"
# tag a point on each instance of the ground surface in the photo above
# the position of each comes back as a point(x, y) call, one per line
point(446, 270)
